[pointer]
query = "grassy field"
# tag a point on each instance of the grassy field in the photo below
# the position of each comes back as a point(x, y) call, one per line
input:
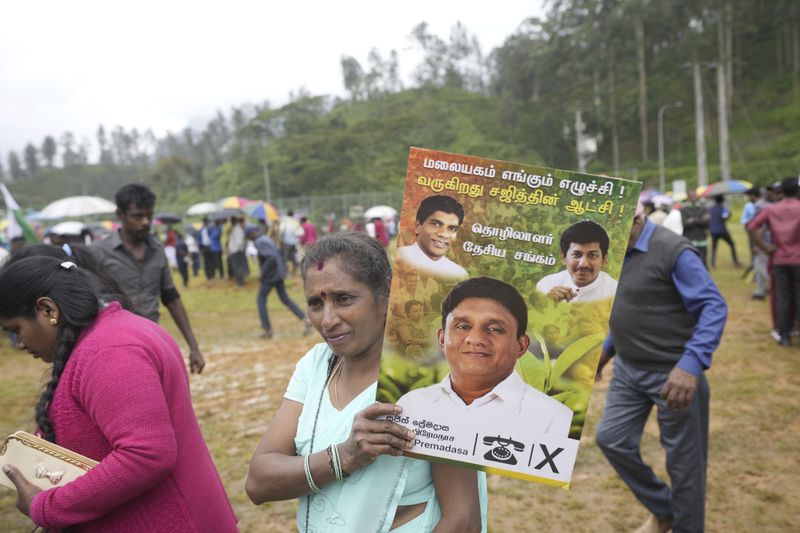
point(755, 428)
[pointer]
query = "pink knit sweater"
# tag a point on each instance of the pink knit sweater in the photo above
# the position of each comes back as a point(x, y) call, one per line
point(124, 400)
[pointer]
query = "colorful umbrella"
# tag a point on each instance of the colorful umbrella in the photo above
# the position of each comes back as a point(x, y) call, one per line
point(226, 213)
point(727, 187)
point(233, 202)
point(263, 211)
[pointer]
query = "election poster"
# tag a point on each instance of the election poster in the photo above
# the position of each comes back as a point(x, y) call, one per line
point(504, 278)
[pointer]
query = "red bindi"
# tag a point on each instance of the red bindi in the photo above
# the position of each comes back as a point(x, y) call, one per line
point(320, 265)
point(324, 294)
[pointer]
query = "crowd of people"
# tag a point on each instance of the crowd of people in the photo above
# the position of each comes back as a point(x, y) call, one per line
point(92, 313)
point(771, 219)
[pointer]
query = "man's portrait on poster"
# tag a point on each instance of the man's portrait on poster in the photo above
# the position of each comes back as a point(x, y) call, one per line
point(437, 221)
point(584, 253)
point(482, 335)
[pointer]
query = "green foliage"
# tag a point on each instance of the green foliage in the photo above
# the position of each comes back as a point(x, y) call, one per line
point(50, 184)
point(518, 105)
point(568, 380)
point(318, 148)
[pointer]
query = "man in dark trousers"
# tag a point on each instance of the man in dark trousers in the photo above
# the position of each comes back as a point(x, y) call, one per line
point(273, 272)
point(136, 261)
point(719, 215)
point(783, 221)
point(667, 320)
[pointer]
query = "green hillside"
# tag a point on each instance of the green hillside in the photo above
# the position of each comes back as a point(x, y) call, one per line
point(617, 62)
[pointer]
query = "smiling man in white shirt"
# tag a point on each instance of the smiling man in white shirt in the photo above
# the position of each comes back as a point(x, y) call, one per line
point(482, 336)
point(584, 252)
point(438, 220)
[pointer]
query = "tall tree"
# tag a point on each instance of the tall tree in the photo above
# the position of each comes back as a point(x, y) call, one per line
point(69, 155)
point(106, 158)
point(121, 145)
point(84, 150)
point(14, 166)
point(49, 150)
point(639, 32)
point(31, 159)
point(352, 77)
point(238, 119)
point(391, 73)
point(373, 81)
point(430, 73)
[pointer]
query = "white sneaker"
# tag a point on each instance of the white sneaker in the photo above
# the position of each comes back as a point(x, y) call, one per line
point(775, 335)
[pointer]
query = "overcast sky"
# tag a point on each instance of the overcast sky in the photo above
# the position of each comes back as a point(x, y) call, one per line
point(72, 65)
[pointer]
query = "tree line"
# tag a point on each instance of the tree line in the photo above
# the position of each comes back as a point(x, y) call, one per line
point(602, 69)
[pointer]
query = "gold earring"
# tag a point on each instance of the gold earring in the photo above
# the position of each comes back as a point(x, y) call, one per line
point(53, 321)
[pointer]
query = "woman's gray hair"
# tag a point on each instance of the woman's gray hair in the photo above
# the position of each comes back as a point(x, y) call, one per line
point(361, 256)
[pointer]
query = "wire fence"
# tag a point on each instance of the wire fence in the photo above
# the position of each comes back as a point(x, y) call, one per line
point(351, 205)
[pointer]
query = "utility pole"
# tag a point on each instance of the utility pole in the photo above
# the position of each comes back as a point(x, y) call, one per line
point(699, 125)
point(266, 178)
point(265, 160)
point(579, 127)
point(722, 111)
point(661, 110)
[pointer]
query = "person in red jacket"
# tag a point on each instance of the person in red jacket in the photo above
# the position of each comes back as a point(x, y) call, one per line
point(381, 235)
point(118, 394)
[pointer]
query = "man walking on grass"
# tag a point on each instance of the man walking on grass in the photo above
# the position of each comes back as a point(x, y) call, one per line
point(783, 221)
point(667, 320)
point(136, 261)
point(273, 272)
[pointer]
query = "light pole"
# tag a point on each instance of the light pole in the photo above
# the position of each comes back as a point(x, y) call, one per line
point(267, 187)
point(263, 132)
point(661, 111)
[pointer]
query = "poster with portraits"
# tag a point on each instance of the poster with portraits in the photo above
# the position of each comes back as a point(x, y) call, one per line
point(504, 278)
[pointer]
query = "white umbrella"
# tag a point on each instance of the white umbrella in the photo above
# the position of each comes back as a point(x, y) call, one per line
point(69, 227)
point(381, 211)
point(203, 208)
point(77, 206)
point(661, 200)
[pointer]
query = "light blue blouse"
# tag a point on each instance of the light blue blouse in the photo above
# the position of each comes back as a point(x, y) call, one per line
point(368, 499)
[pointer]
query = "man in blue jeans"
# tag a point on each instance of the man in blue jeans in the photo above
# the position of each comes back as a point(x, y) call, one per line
point(273, 272)
point(667, 320)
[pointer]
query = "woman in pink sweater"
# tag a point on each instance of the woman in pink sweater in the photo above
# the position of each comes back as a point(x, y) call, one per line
point(119, 394)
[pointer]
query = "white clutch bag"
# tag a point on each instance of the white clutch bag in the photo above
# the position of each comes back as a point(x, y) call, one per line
point(43, 463)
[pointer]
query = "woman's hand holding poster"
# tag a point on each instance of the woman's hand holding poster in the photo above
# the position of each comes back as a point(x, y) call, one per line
point(503, 282)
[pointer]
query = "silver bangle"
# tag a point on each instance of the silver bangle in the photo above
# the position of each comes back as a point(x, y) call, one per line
point(313, 486)
point(337, 466)
point(340, 473)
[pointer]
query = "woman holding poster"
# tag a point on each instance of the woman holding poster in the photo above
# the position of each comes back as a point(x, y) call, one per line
point(326, 444)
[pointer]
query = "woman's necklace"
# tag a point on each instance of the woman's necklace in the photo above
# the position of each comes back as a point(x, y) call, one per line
point(333, 365)
point(338, 372)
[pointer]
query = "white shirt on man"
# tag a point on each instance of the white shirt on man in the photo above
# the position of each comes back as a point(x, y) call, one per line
point(602, 288)
point(440, 268)
point(513, 428)
point(511, 407)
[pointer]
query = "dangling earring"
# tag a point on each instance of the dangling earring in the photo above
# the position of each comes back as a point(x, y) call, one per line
point(53, 321)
